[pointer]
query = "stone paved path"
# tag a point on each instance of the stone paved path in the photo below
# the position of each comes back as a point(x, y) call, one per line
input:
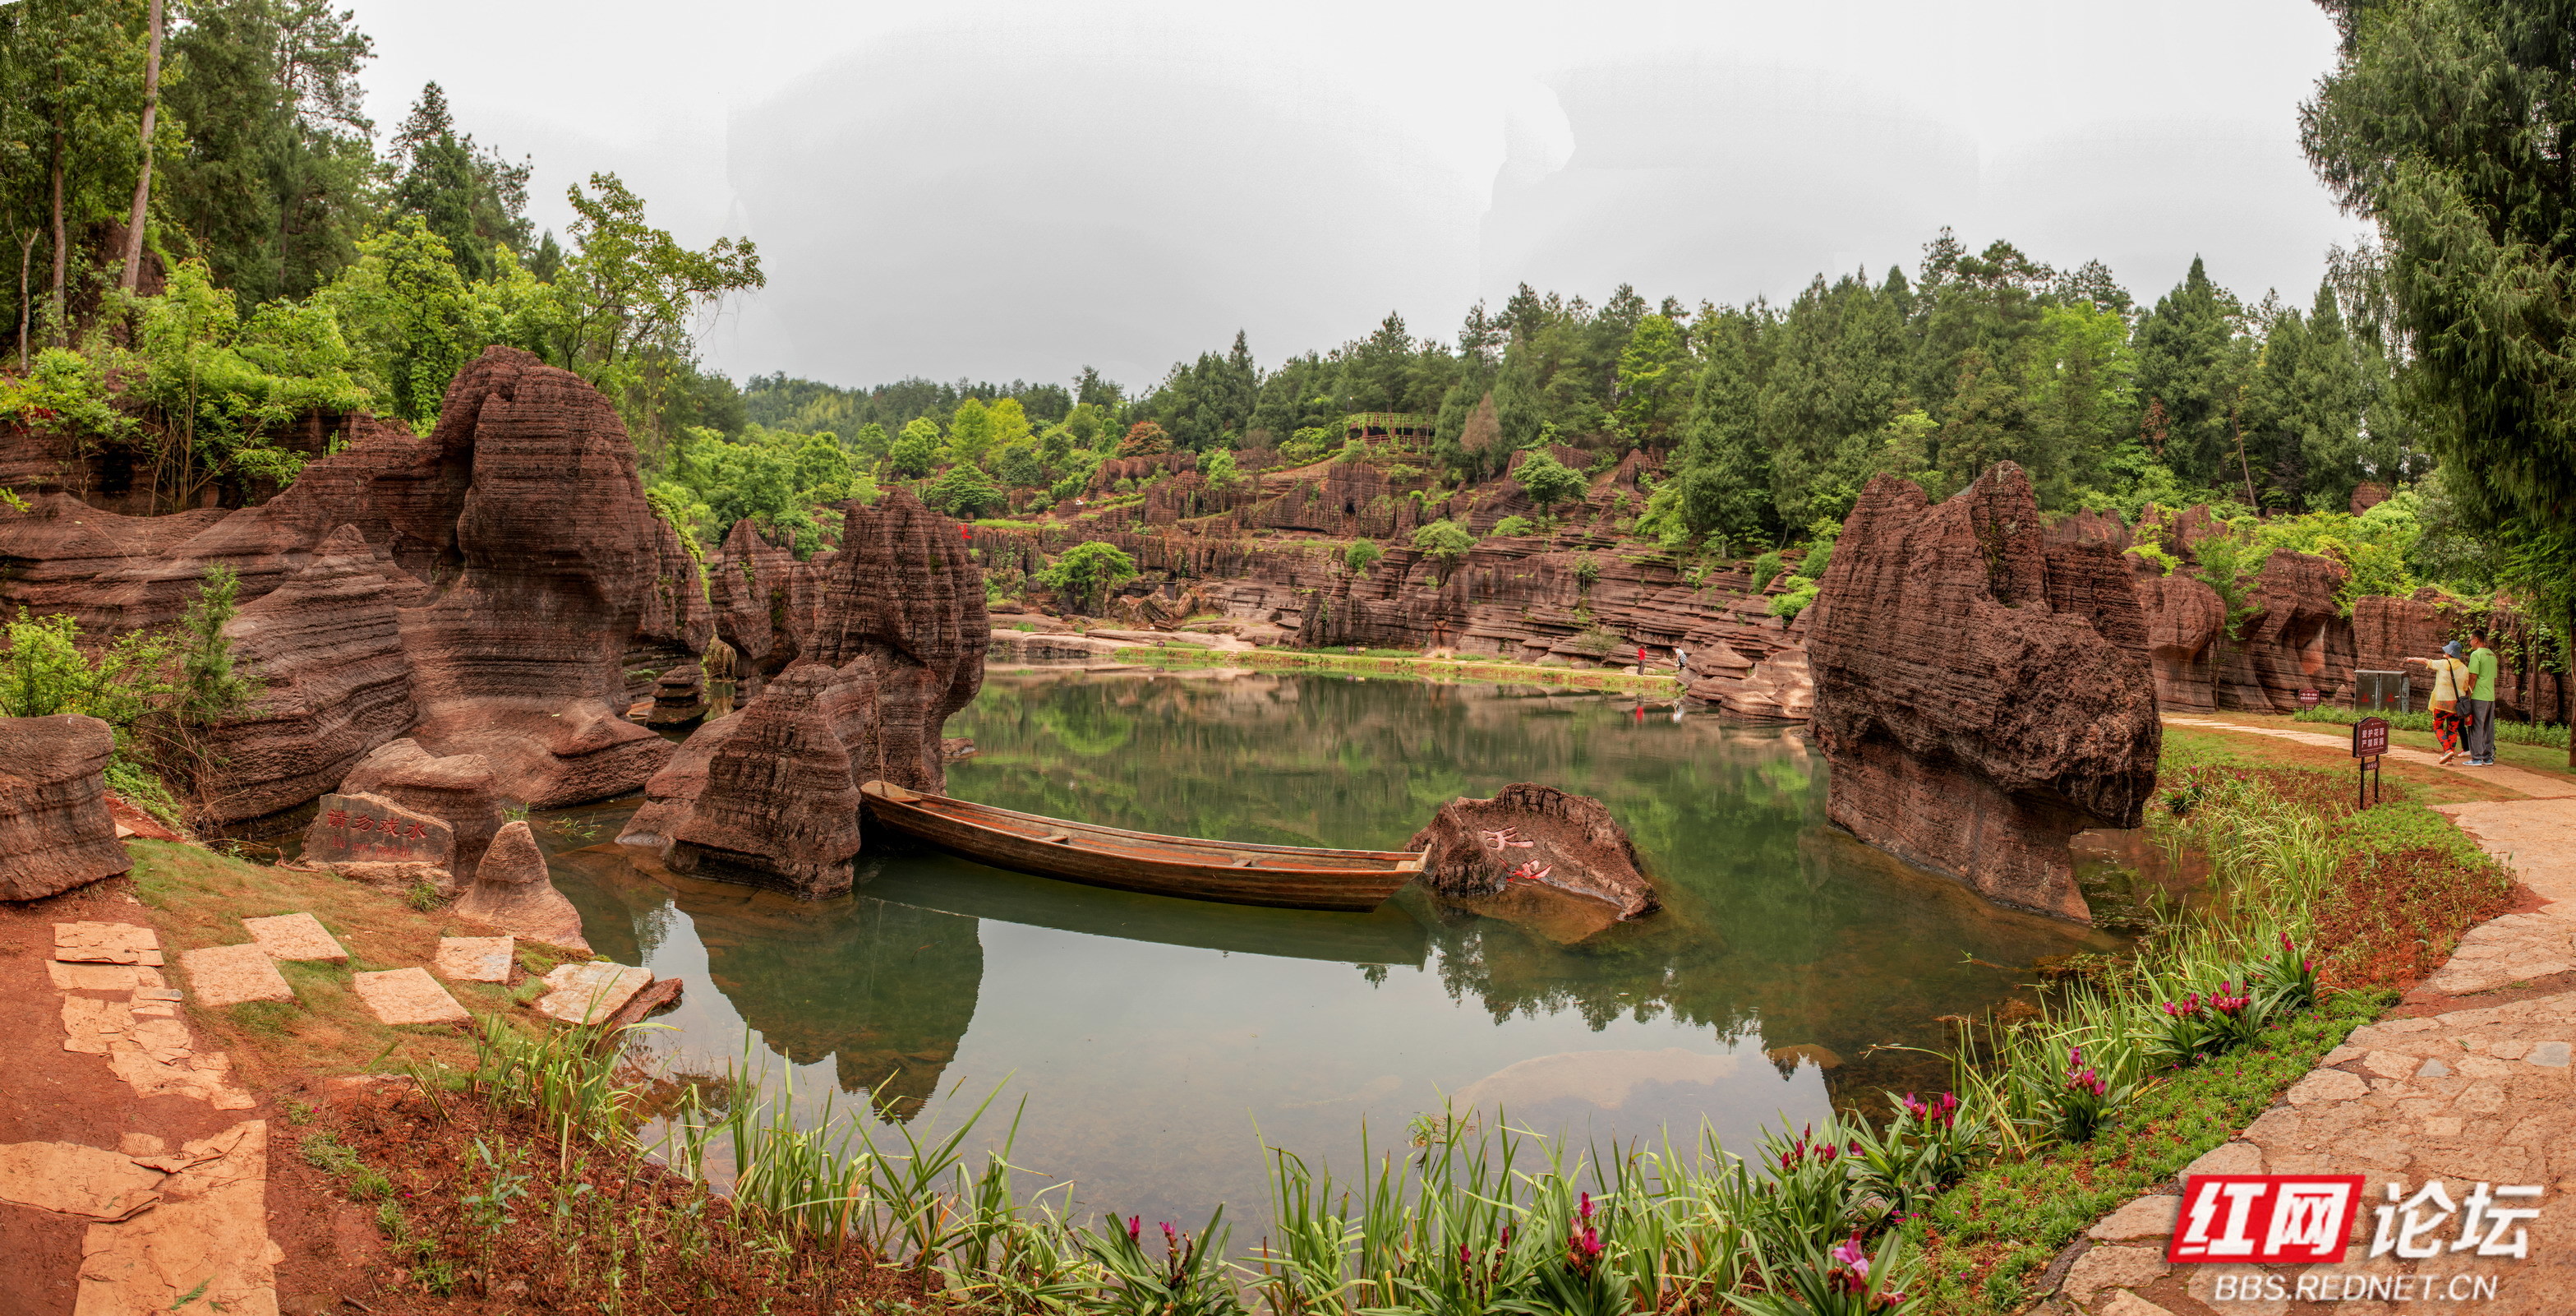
point(2538, 786)
point(2468, 1083)
point(168, 1226)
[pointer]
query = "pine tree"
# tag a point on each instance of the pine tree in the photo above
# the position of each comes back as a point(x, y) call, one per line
point(2190, 362)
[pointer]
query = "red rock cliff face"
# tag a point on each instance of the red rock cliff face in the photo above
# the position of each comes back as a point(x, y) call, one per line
point(511, 552)
point(1981, 694)
point(894, 646)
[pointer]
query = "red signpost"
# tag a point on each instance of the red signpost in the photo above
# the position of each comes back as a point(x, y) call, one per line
point(2369, 743)
point(2309, 698)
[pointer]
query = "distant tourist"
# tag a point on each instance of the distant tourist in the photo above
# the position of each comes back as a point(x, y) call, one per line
point(1681, 663)
point(2450, 685)
point(2481, 700)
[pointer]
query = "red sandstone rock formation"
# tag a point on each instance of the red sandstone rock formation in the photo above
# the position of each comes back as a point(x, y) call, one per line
point(524, 572)
point(1981, 693)
point(355, 827)
point(1538, 837)
point(781, 802)
point(512, 892)
point(770, 796)
point(56, 832)
point(673, 792)
point(458, 790)
point(326, 646)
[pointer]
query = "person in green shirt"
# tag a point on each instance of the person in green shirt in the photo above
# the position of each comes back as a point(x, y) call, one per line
point(2481, 700)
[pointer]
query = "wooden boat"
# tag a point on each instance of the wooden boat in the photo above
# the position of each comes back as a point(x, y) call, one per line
point(1229, 872)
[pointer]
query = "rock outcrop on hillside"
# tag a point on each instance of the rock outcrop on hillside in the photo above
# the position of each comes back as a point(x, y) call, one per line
point(1980, 690)
point(893, 646)
point(483, 590)
point(1537, 838)
point(56, 831)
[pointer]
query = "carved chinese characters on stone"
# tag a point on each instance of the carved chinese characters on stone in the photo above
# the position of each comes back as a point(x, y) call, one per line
point(365, 828)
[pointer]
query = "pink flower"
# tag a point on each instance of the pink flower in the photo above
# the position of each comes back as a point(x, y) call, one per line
point(1135, 1227)
point(1848, 1253)
point(1586, 1210)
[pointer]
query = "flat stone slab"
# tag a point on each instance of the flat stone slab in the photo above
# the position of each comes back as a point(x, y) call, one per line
point(204, 1248)
point(474, 959)
point(407, 996)
point(91, 977)
point(295, 937)
point(76, 1180)
point(230, 975)
point(589, 993)
point(106, 943)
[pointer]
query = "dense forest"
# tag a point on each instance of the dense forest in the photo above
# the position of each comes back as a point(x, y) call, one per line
point(214, 241)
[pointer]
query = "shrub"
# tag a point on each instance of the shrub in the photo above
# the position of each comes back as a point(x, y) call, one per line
point(1361, 555)
point(1801, 592)
point(1086, 572)
point(1515, 525)
point(1447, 541)
point(1547, 481)
point(1766, 569)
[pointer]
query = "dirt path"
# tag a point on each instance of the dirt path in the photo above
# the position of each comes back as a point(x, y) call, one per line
point(2467, 1084)
point(136, 1173)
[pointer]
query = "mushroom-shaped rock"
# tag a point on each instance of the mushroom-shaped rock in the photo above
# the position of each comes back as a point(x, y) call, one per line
point(1533, 838)
point(512, 892)
point(56, 832)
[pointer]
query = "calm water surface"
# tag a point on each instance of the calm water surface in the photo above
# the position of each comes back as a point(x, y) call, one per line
point(1152, 1037)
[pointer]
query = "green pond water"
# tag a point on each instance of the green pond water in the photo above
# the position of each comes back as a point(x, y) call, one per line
point(1152, 1037)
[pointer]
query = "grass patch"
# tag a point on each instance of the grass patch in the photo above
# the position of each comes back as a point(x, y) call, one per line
point(1985, 1239)
point(197, 897)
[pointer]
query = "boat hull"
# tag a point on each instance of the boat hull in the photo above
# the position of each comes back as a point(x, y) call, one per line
point(1281, 877)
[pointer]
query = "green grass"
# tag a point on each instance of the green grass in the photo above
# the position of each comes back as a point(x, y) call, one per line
point(1995, 1231)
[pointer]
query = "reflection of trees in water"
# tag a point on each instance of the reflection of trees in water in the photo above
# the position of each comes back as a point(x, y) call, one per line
point(1773, 924)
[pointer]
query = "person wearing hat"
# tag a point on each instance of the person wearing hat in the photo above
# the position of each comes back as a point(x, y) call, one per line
point(2451, 717)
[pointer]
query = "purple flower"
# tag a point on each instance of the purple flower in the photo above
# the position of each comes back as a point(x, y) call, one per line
point(1135, 1227)
point(1586, 1210)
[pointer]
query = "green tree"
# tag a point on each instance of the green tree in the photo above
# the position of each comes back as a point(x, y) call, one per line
point(1445, 542)
point(273, 184)
point(408, 315)
point(2450, 124)
point(1363, 554)
point(631, 295)
point(1547, 481)
point(916, 453)
point(1652, 379)
point(965, 492)
point(1085, 573)
point(474, 200)
point(970, 433)
point(2190, 363)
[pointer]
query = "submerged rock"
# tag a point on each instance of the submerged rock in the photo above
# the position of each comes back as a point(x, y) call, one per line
point(511, 892)
point(56, 832)
point(1532, 838)
point(1981, 691)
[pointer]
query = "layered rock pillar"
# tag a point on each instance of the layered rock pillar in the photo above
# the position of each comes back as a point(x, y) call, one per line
point(893, 645)
point(1981, 692)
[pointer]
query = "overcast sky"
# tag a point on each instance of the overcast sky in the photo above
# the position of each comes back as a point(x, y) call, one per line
point(1017, 190)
